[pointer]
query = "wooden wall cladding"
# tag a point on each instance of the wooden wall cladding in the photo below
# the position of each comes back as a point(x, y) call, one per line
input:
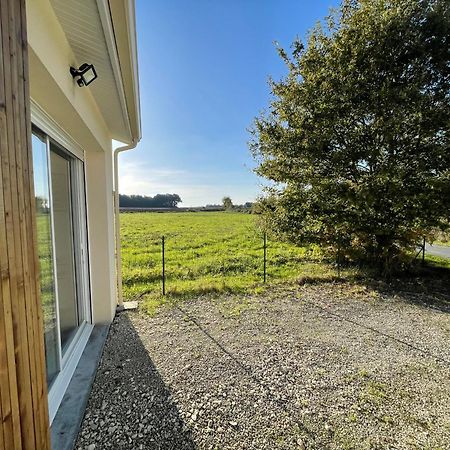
point(23, 388)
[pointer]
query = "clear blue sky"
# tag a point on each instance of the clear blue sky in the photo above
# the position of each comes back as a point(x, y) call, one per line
point(204, 66)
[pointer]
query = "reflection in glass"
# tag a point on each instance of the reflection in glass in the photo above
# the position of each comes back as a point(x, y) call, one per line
point(44, 237)
point(60, 165)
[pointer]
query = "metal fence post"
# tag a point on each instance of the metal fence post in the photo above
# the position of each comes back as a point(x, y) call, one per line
point(339, 259)
point(423, 252)
point(163, 267)
point(265, 255)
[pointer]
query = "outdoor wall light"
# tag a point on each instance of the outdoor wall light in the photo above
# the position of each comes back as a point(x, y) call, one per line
point(84, 75)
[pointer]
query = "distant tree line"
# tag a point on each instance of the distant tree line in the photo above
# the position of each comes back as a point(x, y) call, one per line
point(143, 201)
point(228, 205)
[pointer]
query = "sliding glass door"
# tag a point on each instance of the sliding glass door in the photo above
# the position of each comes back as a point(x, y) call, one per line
point(59, 190)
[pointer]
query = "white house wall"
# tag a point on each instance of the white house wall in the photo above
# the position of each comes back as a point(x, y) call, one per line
point(101, 235)
point(48, 43)
point(75, 111)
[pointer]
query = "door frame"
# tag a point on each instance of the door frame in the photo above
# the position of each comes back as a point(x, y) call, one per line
point(69, 361)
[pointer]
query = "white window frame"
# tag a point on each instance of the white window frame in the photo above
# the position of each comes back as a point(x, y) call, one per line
point(68, 362)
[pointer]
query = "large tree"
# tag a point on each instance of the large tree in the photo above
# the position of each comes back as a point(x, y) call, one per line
point(356, 139)
point(227, 203)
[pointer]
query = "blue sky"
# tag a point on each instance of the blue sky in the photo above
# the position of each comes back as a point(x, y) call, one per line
point(204, 67)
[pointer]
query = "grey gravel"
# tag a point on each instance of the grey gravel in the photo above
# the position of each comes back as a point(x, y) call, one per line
point(337, 366)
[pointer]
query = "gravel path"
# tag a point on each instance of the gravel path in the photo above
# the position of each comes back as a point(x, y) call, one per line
point(313, 367)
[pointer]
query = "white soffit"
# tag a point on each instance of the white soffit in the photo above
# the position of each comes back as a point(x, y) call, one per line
point(82, 24)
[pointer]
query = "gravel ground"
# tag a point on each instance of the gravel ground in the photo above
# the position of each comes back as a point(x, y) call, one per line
point(337, 366)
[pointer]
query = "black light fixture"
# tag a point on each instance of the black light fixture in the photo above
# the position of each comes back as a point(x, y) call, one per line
point(84, 75)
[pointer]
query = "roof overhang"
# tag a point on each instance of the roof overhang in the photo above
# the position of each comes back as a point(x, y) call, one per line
point(123, 17)
point(103, 33)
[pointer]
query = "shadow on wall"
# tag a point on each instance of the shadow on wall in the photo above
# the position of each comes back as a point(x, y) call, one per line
point(130, 406)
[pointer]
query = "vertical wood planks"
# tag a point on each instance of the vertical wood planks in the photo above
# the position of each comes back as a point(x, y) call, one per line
point(23, 388)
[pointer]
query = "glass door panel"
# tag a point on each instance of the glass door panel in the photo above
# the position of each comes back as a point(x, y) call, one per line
point(61, 233)
point(45, 251)
point(60, 165)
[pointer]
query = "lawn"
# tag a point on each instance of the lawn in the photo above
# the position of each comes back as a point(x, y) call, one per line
point(207, 252)
point(213, 253)
point(438, 261)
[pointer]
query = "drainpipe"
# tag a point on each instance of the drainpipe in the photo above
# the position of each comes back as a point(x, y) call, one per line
point(117, 220)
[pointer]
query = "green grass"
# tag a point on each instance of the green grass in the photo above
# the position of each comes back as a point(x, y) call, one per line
point(45, 252)
point(207, 252)
point(443, 243)
point(438, 261)
point(215, 253)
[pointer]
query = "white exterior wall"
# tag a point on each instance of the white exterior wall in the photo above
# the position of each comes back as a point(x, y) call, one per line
point(75, 111)
point(99, 185)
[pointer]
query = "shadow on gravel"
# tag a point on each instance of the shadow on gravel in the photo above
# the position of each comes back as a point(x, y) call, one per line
point(429, 288)
point(130, 407)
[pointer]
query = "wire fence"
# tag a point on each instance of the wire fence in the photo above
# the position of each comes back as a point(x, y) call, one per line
point(263, 254)
point(201, 252)
point(182, 262)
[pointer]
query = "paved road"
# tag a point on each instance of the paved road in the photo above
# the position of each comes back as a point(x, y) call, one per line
point(438, 250)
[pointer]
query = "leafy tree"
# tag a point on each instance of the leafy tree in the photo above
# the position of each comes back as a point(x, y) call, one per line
point(357, 136)
point(41, 205)
point(227, 203)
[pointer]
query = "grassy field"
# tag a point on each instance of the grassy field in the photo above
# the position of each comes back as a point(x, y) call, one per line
point(212, 253)
point(207, 252)
point(45, 251)
point(438, 261)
